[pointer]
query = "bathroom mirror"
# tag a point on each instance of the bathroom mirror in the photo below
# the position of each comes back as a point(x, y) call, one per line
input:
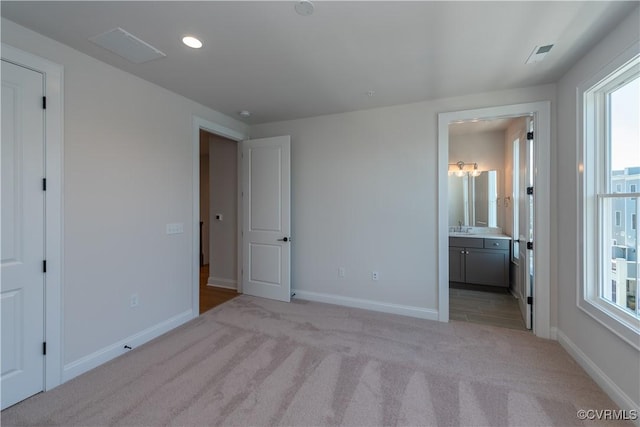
point(473, 201)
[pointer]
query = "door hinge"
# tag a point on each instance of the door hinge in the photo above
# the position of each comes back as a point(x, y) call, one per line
point(44, 184)
point(529, 136)
point(44, 265)
point(530, 191)
point(530, 245)
point(530, 300)
point(44, 102)
point(44, 348)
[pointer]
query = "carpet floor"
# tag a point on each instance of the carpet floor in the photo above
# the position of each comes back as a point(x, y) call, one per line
point(256, 362)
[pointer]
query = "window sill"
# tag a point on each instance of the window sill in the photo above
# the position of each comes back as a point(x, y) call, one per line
point(607, 316)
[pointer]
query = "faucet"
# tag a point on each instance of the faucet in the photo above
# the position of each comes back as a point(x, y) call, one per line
point(460, 226)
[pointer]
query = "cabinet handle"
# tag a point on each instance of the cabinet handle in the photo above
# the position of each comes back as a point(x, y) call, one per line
point(496, 244)
point(467, 252)
point(461, 252)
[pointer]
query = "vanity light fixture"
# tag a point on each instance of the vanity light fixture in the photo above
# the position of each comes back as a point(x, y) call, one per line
point(461, 169)
point(475, 172)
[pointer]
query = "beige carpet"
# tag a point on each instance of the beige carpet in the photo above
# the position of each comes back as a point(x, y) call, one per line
point(255, 362)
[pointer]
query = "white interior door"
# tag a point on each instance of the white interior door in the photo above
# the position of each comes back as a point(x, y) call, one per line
point(266, 231)
point(22, 289)
point(524, 274)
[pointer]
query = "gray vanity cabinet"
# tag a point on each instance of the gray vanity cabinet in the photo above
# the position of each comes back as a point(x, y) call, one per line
point(479, 261)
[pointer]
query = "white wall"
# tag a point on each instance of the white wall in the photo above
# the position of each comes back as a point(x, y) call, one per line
point(610, 355)
point(127, 173)
point(223, 161)
point(364, 197)
point(484, 148)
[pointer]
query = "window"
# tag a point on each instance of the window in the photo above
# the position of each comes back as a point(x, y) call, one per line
point(611, 162)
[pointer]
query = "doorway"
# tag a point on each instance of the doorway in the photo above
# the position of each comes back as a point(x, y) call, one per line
point(540, 111)
point(218, 280)
point(486, 209)
point(264, 211)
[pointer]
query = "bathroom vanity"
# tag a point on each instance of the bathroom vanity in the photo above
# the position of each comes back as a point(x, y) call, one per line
point(479, 259)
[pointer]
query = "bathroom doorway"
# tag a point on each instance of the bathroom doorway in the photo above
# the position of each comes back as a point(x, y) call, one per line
point(475, 253)
point(483, 221)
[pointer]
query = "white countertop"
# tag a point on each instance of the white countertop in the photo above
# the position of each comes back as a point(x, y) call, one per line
point(479, 235)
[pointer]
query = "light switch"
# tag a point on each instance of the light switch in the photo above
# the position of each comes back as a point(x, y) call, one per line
point(219, 217)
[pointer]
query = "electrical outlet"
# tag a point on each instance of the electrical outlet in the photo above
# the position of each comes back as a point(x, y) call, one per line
point(134, 301)
point(375, 275)
point(175, 228)
point(342, 272)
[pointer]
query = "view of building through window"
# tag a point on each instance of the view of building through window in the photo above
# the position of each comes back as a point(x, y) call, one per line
point(624, 179)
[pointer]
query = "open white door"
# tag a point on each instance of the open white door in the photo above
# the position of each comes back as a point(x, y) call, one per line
point(266, 229)
point(23, 243)
point(524, 277)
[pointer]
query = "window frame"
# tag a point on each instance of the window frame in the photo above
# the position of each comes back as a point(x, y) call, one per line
point(595, 187)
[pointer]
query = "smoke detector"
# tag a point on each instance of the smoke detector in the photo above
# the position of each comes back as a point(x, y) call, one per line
point(538, 54)
point(304, 8)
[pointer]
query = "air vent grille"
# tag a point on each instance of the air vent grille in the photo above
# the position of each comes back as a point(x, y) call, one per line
point(538, 54)
point(127, 45)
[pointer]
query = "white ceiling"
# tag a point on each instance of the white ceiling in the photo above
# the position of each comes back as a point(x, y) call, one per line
point(263, 57)
point(479, 126)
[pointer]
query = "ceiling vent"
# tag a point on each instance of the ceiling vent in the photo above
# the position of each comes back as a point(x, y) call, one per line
point(538, 54)
point(127, 45)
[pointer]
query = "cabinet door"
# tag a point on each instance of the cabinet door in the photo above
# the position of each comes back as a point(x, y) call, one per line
point(456, 264)
point(487, 267)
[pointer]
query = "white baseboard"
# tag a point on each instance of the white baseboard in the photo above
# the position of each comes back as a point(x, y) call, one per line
point(95, 359)
point(553, 333)
point(610, 388)
point(404, 310)
point(219, 282)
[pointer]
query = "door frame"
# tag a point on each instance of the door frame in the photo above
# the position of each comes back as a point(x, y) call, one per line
point(53, 87)
point(542, 204)
point(199, 123)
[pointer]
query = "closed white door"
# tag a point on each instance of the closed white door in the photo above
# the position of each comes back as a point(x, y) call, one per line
point(22, 290)
point(266, 231)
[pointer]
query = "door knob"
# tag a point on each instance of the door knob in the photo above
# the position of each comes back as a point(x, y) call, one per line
point(284, 239)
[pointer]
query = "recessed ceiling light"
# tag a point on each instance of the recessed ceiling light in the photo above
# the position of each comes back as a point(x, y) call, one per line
point(245, 113)
point(192, 42)
point(304, 8)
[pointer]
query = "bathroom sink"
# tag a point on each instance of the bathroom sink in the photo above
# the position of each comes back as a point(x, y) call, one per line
point(461, 233)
